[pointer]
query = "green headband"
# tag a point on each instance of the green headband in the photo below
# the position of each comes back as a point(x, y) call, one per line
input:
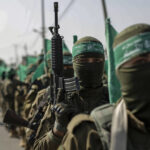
point(67, 60)
point(87, 47)
point(131, 48)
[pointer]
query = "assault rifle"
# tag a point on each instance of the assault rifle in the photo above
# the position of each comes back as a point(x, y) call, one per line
point(57, 79)
point(13, 119)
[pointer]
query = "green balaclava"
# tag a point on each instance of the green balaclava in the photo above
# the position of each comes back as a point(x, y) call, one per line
point(89, 74)
point(135, 80)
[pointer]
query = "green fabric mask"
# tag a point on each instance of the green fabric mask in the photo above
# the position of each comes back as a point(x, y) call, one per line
point(89, 74)
point(135, 85)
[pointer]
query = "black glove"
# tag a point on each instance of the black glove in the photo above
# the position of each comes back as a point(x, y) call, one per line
point(63, 112)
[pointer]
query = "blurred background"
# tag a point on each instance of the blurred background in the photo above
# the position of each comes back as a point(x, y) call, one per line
point(24, 28)
point(21, 23)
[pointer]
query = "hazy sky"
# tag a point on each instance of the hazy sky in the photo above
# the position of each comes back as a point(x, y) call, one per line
point(18, 18)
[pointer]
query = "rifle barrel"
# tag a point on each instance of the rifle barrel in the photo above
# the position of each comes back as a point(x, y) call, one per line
point(56, 16)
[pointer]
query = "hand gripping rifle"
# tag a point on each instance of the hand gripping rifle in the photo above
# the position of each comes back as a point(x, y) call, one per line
point(57, 80)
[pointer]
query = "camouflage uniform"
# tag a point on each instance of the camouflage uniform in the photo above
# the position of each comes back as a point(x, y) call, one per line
point(81, 134)
point(9, 89)
point(37, 85)
point(89, 90)
point(2, 102)
point(29, 99)
point(47, 120)
point(126, 125)
point(36, 92)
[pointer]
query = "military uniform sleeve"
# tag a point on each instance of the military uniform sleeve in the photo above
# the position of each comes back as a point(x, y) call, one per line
point(29, 99)
point(47, 142)
point(81, 135)
point(46, 123)
point(8, 89)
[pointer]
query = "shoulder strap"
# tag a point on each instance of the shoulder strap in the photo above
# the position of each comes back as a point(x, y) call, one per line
point(77, 120)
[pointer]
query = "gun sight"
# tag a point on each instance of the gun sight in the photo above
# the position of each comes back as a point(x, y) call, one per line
point(56, 6)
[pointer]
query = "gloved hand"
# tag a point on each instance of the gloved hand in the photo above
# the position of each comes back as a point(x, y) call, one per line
point(63, 112)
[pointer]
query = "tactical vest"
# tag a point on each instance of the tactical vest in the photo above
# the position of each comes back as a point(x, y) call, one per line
point(102, 116)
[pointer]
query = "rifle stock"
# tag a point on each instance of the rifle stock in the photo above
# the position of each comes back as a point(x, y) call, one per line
point(12, 118)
